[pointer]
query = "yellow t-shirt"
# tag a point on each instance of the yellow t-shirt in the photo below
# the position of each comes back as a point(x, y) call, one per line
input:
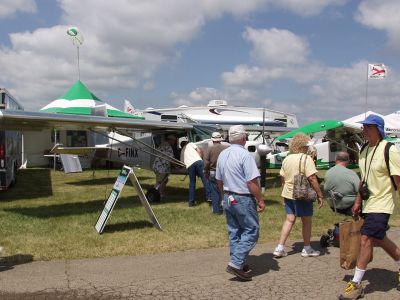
point(382, 193)
point(290, 168)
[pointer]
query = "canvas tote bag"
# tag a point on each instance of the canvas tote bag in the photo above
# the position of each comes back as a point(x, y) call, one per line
point(302, 189)
point(350, 243)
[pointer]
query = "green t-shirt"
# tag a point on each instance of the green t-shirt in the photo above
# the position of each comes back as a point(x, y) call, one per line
point(342, 180)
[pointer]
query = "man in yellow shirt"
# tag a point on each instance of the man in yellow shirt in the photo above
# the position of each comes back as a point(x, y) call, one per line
point(379, 194)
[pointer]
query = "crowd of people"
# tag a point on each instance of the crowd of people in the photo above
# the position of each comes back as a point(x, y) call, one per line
point(232, 185)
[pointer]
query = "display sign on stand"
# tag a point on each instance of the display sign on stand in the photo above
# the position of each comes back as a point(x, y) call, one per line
point(126, 172)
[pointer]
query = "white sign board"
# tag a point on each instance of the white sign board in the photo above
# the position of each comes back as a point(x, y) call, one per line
point(112, 199)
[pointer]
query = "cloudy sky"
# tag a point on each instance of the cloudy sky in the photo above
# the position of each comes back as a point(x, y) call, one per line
point(307, 57)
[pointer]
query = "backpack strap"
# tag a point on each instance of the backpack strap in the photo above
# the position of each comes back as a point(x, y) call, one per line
point(386, 154)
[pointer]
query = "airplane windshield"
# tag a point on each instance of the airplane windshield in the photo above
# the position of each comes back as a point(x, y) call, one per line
point(201, 132)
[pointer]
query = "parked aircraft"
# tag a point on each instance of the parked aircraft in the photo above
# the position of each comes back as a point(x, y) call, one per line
point(330, 137)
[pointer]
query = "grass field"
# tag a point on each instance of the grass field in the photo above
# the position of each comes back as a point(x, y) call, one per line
point(51, 215)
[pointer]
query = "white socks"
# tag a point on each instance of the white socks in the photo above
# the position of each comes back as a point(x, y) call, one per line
point(279, 247)
point(358, 275)
point(307, 248)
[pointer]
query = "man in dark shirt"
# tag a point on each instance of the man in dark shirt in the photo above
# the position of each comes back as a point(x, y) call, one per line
point(210, 162)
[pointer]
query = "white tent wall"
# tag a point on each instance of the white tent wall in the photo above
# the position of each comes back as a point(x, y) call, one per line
point(37, 143)
point(392, 121)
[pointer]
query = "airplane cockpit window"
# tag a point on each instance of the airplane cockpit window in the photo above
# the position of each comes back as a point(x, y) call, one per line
point(201, 132)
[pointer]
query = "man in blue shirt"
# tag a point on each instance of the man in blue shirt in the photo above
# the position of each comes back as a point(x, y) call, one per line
point(238, 180)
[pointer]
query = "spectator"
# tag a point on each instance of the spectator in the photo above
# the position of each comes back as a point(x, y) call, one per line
point(298, 208)
point(161, 166)
point(238, 181)
point(343, 182)
point(191, 156)
point(210, 165)
point(379, 201)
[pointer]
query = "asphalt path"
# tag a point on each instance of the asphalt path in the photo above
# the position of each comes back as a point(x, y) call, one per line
point(198, 274)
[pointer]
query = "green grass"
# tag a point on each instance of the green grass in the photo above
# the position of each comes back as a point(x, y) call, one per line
point(51, 215)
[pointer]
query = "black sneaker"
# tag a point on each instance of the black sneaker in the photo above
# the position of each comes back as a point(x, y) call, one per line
point(246, 269)
point(239, 273)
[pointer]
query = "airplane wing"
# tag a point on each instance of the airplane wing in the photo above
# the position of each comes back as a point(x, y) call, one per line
point(319, 126)
point(36, 121)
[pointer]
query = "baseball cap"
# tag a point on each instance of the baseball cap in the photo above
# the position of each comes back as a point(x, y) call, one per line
point(236, 131)
point(216, 137)
point(375, 120)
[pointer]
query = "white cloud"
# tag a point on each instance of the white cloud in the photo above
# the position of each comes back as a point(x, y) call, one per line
point(270, 44)
point(10, 7)
point(327, 90)
point(381, 15)
point(125, 43)
point(197, 97)
point(277, 54)
point(306, 8)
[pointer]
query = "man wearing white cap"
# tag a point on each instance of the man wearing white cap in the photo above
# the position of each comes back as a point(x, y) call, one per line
point(238, 180)
point(191, 156)
point(210, 165)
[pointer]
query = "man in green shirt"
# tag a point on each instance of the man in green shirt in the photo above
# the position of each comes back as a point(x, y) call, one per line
point(343, 182)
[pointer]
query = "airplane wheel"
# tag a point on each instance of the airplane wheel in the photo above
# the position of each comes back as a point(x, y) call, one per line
point(153, 195)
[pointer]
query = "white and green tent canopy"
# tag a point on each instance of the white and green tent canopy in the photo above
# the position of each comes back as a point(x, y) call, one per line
point(313, 128)
point(78, 100)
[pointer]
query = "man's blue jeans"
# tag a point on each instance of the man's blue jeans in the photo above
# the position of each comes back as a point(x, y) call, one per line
point(215, 195)
point(197, 168)
point(243, 227)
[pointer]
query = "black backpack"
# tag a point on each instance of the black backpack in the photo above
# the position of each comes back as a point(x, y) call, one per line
point(386, 154)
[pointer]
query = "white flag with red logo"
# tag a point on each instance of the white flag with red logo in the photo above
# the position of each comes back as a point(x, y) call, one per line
point(376, 71)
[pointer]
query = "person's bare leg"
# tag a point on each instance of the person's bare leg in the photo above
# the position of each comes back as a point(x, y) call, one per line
point(306, 229)
point(287, 228)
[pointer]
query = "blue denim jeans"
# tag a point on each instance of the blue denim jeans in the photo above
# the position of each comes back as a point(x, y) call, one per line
point(197, 168)
point(243, 227)
point(215, 195)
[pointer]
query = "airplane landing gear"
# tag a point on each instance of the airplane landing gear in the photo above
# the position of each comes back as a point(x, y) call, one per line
point(153, 195)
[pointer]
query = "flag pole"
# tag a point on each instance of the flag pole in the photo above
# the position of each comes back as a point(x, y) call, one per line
point(79, 71)
point(77, 40)
point(366, 94)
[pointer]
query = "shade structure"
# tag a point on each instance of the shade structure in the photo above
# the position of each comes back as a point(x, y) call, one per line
point(79, 100)
point(312, 128)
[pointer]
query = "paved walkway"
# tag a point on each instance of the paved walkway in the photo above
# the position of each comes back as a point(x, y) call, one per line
point(197, 274)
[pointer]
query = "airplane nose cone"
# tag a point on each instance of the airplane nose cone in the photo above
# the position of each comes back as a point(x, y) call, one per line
point(263, 149)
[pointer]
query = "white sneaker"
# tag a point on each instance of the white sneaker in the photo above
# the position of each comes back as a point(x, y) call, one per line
point(310, 253)
point(279, 253)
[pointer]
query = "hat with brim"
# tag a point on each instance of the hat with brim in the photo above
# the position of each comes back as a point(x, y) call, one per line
point(236, 131)
point(376, 120)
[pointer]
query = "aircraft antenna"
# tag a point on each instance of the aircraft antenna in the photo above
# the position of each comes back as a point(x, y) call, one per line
point(77, 40)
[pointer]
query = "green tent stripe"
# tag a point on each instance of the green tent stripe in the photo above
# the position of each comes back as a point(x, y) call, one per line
point(88, 111)
point(312, 128)
point(79, 91)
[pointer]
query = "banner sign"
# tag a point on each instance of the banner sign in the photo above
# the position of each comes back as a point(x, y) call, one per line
point(376, 71)
point(112, 199)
